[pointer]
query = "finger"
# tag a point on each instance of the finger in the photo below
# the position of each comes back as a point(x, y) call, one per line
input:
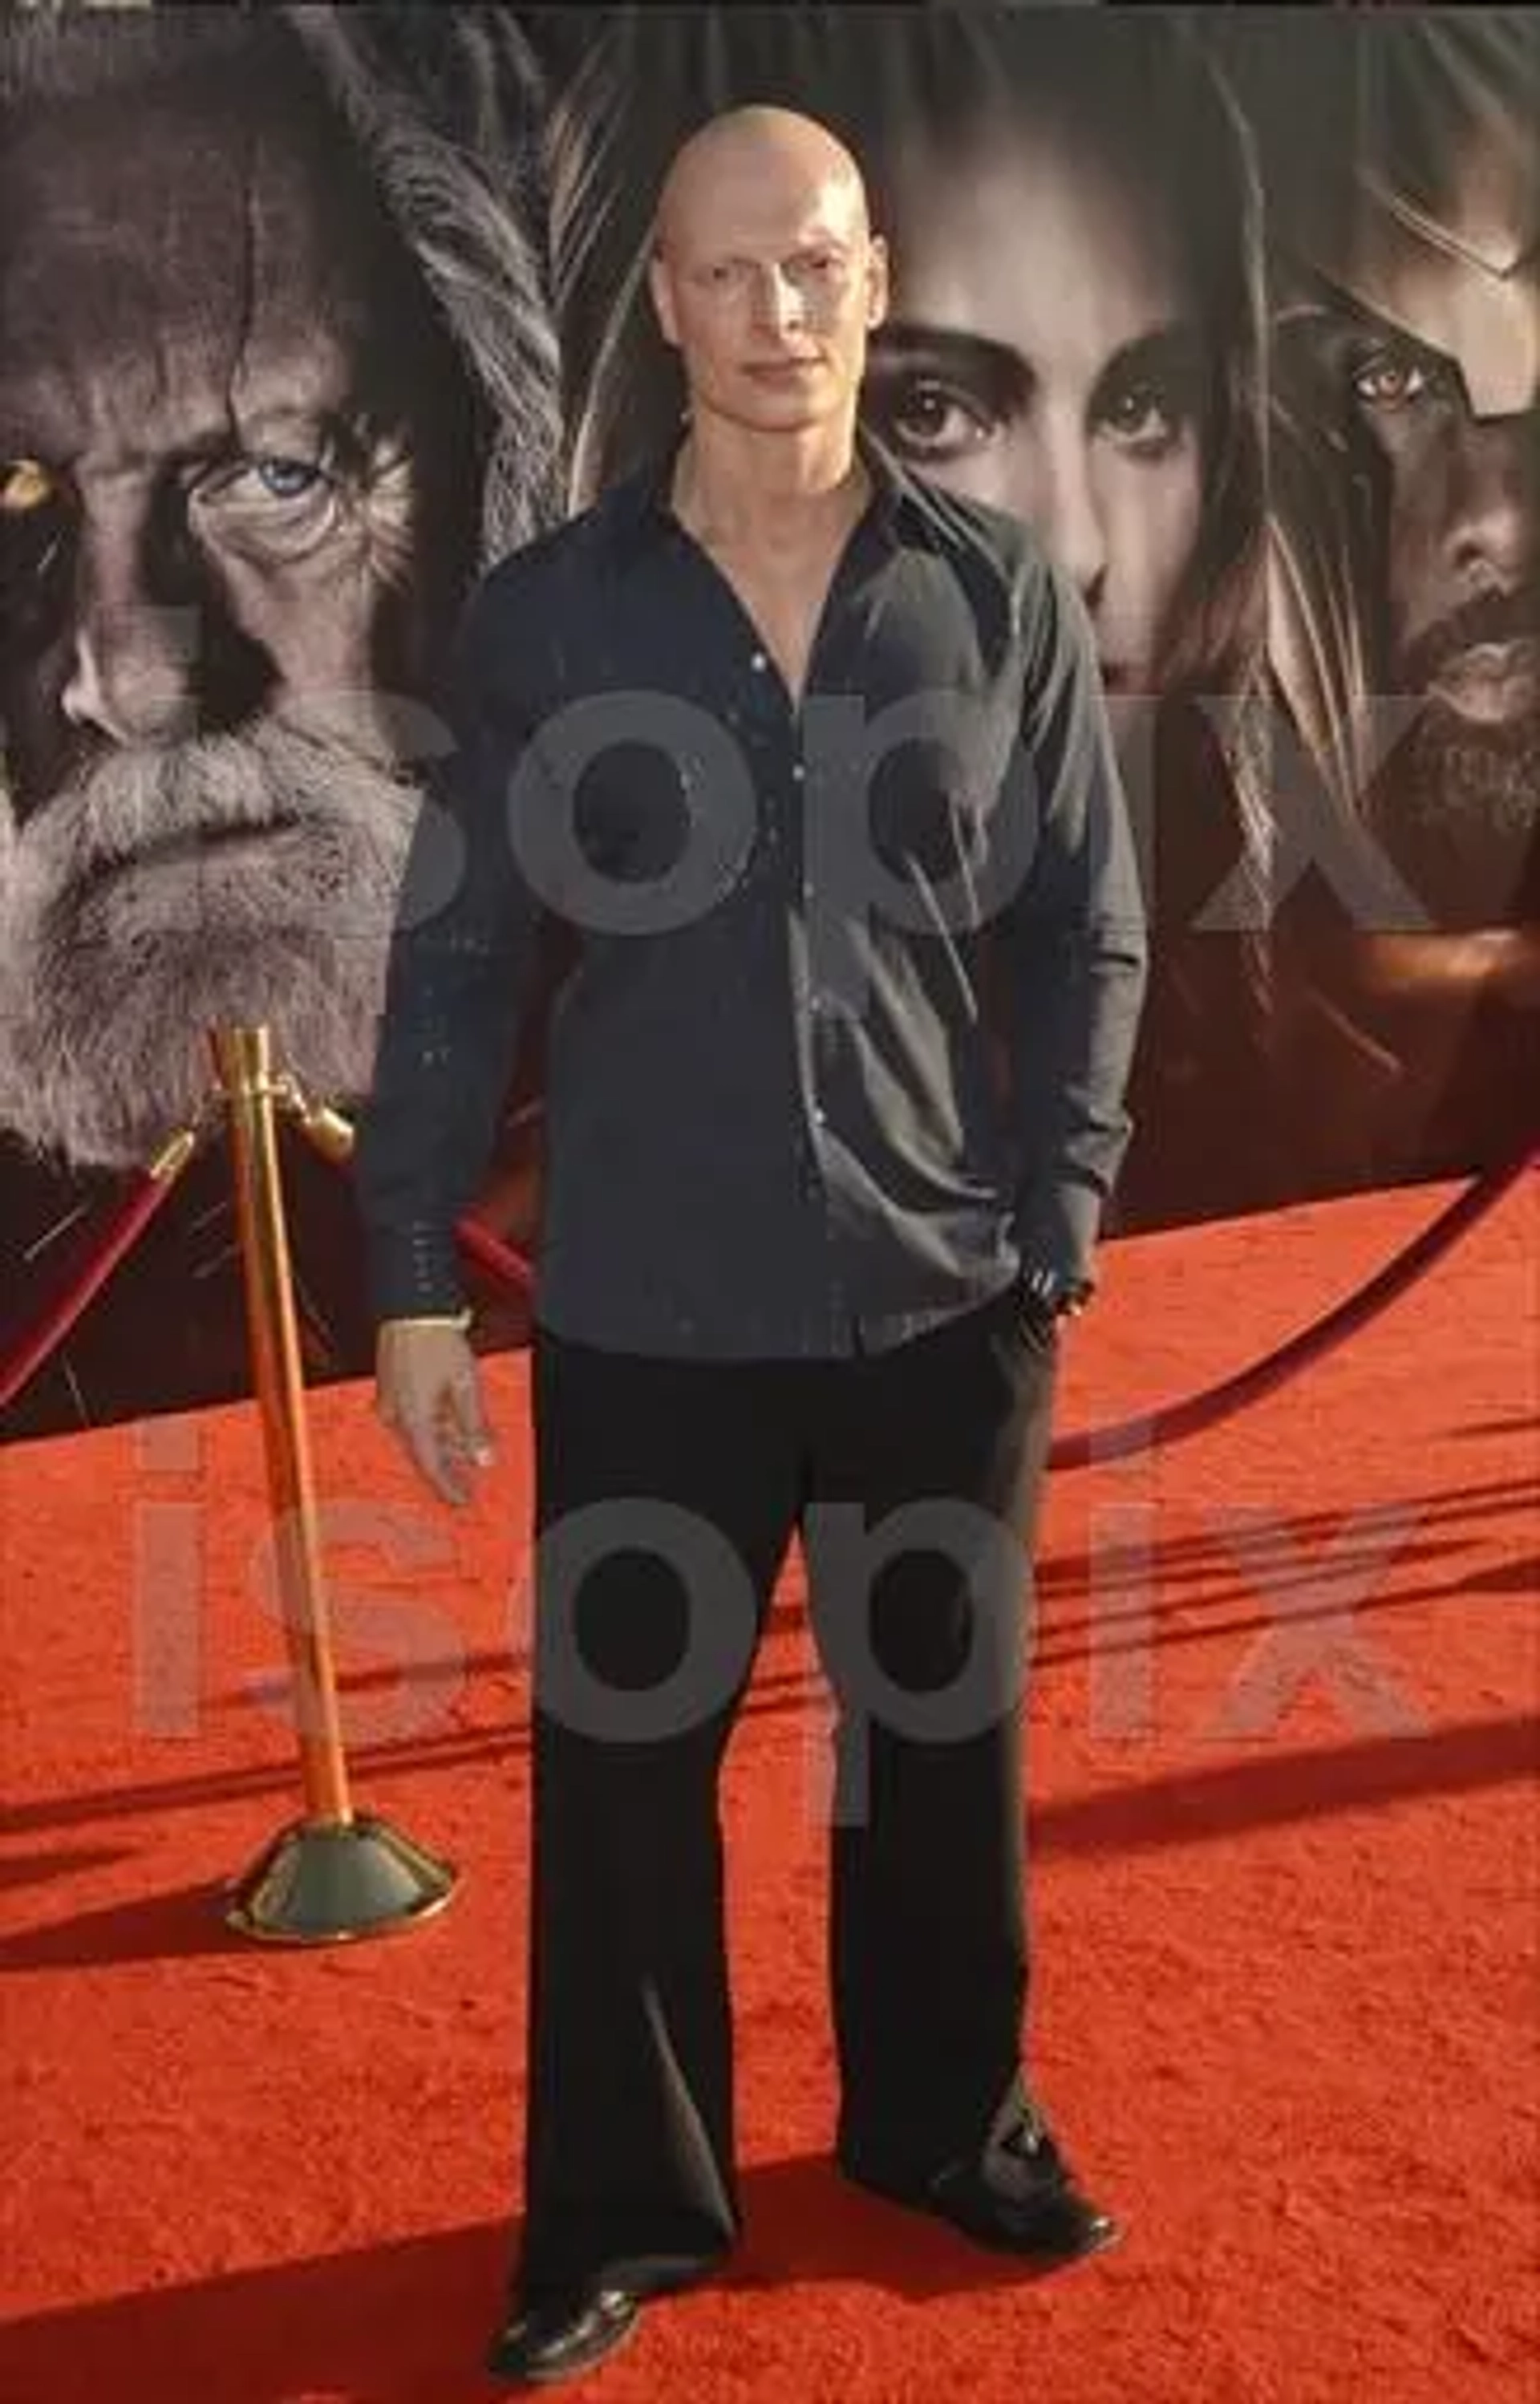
point(470, 1422)
point(420, 1434)
point(460, 1454)
point(450, 1474)
point(451, 1449)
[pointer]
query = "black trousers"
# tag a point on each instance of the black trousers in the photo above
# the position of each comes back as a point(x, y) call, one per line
point(666, 1497)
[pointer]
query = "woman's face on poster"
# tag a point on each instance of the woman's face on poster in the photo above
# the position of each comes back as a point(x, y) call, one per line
point(1043, 353)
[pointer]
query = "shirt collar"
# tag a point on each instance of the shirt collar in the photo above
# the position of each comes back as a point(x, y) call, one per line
point(641, 514)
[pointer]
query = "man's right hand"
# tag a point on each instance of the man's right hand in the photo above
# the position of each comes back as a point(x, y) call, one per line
point(427, 1391)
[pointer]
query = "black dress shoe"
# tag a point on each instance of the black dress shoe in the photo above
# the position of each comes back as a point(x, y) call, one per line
point(558, 2336)
point(1020, 2198)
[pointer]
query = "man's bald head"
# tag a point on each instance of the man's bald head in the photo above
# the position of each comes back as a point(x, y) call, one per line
point(776, 151)
point(765, 274)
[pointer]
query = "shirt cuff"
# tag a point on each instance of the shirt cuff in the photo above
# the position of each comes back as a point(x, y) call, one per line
point(414, 1273)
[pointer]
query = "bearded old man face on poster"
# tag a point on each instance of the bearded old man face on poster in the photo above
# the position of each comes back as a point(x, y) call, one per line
point(242, 462)
point(278, 380)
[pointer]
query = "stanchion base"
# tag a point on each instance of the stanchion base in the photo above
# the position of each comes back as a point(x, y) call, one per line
point(322, 1883)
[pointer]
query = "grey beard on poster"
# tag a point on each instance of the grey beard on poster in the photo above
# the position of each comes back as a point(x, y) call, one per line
point(244, 878)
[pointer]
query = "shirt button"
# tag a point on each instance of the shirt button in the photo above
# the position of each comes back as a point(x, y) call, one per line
point(798, 772)
point(758, 662)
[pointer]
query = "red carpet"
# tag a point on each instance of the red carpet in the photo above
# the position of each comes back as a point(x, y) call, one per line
point(1286, 1892)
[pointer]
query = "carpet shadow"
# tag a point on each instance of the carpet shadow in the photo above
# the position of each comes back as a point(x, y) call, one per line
point(36, 1869)
point(1194, 1807)
point(1507, 1577)
point(1236, 1797)
point(405, 2323)
point(805, 2225)
point(177, 1924)
point(1064, 1582)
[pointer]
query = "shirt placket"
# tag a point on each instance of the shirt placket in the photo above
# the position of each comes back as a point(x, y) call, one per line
point(813, 1007)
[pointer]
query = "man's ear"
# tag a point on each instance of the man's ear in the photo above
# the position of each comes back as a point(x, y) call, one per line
point(877, 281)
point(658, 283)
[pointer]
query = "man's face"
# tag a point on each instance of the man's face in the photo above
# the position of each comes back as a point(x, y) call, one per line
point(767, 285)
point(1457, 423)
point(1436, 359)
point(1044, 355)
point(236, 500)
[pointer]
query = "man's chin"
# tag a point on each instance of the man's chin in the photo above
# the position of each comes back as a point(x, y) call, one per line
point(1457, 808)
point(103, 1075)
point(258, 883)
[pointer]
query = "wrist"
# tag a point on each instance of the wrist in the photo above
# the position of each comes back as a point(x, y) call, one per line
point(1053, 1295)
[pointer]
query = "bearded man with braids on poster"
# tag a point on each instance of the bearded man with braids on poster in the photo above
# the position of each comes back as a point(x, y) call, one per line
point(1404, 245)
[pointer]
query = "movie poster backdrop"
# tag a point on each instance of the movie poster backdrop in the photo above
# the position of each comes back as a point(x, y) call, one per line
point(308, 315)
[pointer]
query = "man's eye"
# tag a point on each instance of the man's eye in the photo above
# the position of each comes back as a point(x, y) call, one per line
point(1392, 379)
point(26, 486)
point(825, 273)
point(270, 499)
point(261, 481)
point(272, 478)
point(285, 478)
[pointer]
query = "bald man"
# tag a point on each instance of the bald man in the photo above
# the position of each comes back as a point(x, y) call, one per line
point(814, 760)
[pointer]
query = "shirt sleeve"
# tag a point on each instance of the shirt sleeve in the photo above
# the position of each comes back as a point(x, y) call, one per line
point(1075, 949)
point(461, 962)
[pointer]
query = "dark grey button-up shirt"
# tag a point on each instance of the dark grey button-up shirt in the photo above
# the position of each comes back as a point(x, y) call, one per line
point(844, 1046)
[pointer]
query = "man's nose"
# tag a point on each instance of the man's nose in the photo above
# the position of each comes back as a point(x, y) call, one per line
point(1495, 502)
point(131, 677)
point(779, 301)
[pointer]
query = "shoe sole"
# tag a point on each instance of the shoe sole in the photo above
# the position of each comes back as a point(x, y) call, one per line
point(1108, 2234)
point(576, 2369)
point(1048, 2257)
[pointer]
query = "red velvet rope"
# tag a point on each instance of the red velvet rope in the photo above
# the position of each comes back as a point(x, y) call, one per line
point(1080, 1449)
point(1087, 1446)
point(90, 1270)
point(498, 1258)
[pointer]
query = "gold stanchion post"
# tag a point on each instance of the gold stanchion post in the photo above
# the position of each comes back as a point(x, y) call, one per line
point(334, 1874)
